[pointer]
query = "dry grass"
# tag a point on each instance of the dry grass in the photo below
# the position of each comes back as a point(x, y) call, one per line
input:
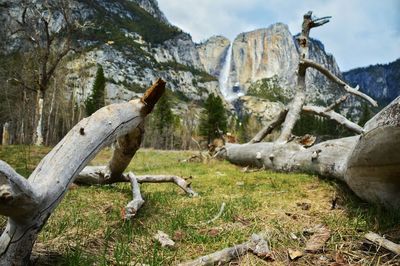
point(87, 228)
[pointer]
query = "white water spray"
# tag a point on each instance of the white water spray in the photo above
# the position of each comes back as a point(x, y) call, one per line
point(225, 85)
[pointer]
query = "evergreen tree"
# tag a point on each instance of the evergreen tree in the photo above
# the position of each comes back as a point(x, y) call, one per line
point(365, 115)
point(163, 121)
point(96, 100)
point(213, 119)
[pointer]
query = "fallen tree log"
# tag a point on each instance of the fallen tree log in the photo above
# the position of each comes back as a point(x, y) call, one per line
point(29, 202)
point(368, 163)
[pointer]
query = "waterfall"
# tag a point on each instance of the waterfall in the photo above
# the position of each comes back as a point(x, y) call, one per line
point(225, 85)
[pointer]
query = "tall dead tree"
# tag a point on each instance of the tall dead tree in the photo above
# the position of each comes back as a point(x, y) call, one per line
point(368, 162)
point(28, 203)
point(44, 44)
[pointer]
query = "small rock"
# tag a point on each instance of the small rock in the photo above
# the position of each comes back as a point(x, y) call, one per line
point(293, 236)
point(164, 239)
point(295, 254)
point(240, 184)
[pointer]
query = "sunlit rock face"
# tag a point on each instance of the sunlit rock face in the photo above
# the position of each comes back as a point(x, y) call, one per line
point(212, 54)
point(264, 53)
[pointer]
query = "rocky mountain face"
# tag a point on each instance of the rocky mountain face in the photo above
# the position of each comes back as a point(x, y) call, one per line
point(135, 44)
point(151, 6)
point(272, 53)
point(382, 82)
point(212, 54)
point(264, 64)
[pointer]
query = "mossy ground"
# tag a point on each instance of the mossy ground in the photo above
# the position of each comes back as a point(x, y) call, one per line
point(87, 228)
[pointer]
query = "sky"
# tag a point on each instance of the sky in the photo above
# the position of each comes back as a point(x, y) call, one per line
point(361, 32)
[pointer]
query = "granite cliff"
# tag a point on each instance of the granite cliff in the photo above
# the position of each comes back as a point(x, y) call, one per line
point(135, 43)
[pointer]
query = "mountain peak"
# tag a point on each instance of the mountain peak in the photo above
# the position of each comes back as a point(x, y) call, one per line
point(151, 6)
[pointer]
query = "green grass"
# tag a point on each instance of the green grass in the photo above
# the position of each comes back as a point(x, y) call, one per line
point(87, 228)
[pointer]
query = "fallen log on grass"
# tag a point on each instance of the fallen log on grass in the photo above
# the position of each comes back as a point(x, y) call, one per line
point(369, 162)
point(28, 203)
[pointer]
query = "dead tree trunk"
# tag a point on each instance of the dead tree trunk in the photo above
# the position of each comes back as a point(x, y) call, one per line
point(5, 140)
point(29, 202)
point(369, 163)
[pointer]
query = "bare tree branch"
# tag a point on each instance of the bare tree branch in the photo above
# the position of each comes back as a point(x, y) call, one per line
point(337, 103)
point(338, 118)
point(133, 206)
point(332, 77)
point(277, 121)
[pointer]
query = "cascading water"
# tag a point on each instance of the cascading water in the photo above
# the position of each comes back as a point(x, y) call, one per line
point(225, 85)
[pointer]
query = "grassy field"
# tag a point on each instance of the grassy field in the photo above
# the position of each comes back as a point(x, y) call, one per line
point(87, 228)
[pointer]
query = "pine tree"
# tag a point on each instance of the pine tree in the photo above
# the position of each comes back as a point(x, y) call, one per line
point(213, 119)
point(163, 121)
point(365, 115)
point(96, 100)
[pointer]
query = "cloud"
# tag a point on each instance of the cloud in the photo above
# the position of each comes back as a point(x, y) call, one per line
point(362, 32)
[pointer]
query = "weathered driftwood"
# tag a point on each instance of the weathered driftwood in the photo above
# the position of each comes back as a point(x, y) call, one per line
point(164, 239)
point(338, 118)
point(98, 175)
point(368, 163)
point(332, 77)
point(133, 206)
point(29, 203)
point(258, 245)
point(383, 242)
